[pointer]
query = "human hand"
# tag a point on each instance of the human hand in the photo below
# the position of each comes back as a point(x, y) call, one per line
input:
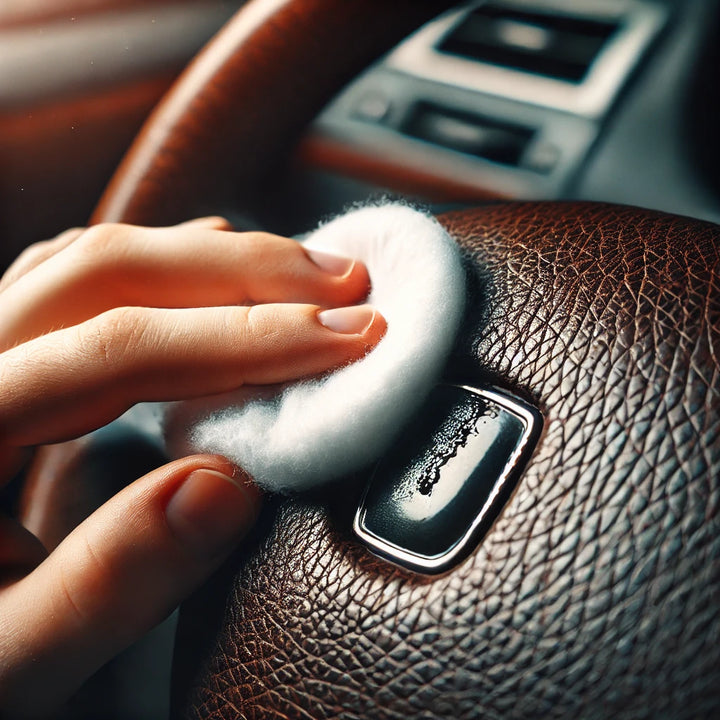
point(95, 321)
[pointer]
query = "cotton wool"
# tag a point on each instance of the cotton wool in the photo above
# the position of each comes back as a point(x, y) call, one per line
point(300, 435)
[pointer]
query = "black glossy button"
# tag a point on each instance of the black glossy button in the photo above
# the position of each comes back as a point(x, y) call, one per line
point(436, 493)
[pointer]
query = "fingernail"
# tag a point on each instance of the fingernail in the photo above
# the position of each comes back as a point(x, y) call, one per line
point(348, 320)
point(333, 264)
point(210, 511)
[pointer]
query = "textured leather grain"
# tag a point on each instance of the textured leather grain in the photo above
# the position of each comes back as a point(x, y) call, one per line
point(597, 592)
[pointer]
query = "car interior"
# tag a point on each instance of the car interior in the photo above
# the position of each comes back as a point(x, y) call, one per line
point(610, 101)
point(571, 148)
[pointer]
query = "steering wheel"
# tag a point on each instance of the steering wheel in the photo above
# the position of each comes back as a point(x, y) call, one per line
point(596, 592)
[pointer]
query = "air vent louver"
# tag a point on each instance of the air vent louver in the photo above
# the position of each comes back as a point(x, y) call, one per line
point(556, 45)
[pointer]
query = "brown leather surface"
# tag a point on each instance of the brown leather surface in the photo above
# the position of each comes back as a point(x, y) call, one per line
point(235, 114)
point(597, 592)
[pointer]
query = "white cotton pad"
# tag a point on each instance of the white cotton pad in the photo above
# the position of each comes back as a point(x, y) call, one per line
point(304, 434)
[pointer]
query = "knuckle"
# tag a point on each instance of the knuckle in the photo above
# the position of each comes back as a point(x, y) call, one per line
point(261, 323)
point(43, 247)
point(32, 251)
point(86, 584)
point(263, 242)
point(66, 238)
point(100, 240)
point(115, 335)
point(28, 257)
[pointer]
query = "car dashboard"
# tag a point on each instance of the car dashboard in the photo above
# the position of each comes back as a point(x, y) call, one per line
point(604, 100)
point(527, 99)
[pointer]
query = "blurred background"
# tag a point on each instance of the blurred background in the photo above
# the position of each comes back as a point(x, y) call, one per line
point(597, 99)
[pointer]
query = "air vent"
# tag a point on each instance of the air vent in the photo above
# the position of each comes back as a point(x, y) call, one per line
point(556, 45)
point(468, 133)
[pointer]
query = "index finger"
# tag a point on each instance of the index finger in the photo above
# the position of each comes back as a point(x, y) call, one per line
point(113, 266)
point(68, 382)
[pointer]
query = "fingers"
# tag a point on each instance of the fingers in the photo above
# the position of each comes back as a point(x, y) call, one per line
point(39, 252)
point(32, 256)
point(68, 382)
point(188, 265)
point(117, 575)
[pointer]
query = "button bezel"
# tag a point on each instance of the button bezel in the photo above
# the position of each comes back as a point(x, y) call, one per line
point(532, 421)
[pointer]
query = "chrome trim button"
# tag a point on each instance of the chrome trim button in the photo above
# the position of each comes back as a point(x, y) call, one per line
point(437, 492)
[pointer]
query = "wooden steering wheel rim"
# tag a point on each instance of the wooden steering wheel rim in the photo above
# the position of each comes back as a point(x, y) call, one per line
point(219, 135)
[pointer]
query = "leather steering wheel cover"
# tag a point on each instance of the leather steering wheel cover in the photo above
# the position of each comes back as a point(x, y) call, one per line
point(596, 592)
point(217, 138)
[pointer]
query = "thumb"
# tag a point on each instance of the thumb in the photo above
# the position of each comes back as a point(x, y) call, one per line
point(117, 575)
